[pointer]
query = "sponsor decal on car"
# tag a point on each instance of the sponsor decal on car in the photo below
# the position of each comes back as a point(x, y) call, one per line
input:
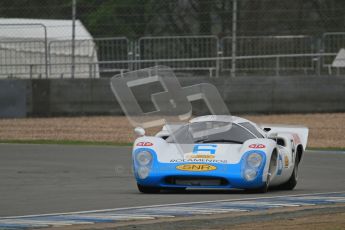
point(144, 143)
point(286, 161)
point(204, 148)
point(202, 156)
point(199, 160)
point(196, 167)
point(257, 146)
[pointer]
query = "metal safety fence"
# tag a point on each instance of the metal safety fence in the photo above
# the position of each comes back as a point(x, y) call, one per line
point(60, 52)
point(332, 43)
point(269, 45)
point(110, 49)
point(180, 47)
point(107, 56)
point(21, 54)
point(18, 58)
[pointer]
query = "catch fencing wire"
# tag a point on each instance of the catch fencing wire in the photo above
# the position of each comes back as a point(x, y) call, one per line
point(234, 35)
point(254, 18)
point(74, 12)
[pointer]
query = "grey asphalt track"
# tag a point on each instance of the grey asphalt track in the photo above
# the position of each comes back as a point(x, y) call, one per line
point(38, 179)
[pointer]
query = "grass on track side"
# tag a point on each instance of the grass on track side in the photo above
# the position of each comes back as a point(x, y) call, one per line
point(64, 142)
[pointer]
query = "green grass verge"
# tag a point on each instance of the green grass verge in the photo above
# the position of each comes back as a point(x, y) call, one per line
point(327, 148)
point(65, 142)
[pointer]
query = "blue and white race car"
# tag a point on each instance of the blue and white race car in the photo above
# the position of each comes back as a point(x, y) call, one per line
point(219, 152)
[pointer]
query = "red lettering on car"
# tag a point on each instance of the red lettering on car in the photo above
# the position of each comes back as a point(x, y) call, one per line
point(144, 144)
point(257, 146)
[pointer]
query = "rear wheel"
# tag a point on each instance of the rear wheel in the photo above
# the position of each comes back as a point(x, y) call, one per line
point(292, 182)
point(148, 189)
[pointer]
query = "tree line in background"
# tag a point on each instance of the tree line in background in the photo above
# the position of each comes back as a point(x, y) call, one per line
point(136, 18)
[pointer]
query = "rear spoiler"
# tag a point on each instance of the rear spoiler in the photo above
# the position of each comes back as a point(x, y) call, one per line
point(301, 131)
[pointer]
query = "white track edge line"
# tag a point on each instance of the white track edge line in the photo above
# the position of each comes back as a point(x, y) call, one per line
point(163, 205)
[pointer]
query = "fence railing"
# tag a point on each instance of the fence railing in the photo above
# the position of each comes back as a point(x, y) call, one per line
point(180, 47)
point(110, 49)
point(60, 52)
point(269, 45)
point(106, 56)
point(89, 69)
point(332, 42)
point(22, 52)
point(16, 49)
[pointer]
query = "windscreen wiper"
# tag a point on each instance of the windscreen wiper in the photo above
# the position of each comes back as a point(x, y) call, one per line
point(200, 141)
point(222, 140)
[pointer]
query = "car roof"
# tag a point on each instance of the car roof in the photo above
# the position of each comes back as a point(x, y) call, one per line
point(226, 118)
point(220, 118)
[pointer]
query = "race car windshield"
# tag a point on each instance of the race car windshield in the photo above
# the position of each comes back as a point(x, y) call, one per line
point(210, 131)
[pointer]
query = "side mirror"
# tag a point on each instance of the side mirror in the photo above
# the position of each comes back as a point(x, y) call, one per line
point(273, 136)
point(139, 131)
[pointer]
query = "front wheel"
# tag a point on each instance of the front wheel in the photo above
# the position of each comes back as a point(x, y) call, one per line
point(264, 188)
point(266, 185)
point(148, 189)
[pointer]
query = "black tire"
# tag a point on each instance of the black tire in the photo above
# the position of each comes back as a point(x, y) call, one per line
point(147, 189)
point(292, 182)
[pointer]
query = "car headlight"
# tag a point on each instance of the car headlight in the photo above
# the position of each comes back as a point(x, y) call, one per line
point(143, 172)
point(250, 174)
point(254, 160)
point(144, 158)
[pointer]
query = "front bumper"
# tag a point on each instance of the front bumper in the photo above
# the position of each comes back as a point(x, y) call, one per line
point(166, 175)
point(170, 175)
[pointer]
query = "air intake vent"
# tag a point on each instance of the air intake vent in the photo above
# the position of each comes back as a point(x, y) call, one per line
point(196, 181)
